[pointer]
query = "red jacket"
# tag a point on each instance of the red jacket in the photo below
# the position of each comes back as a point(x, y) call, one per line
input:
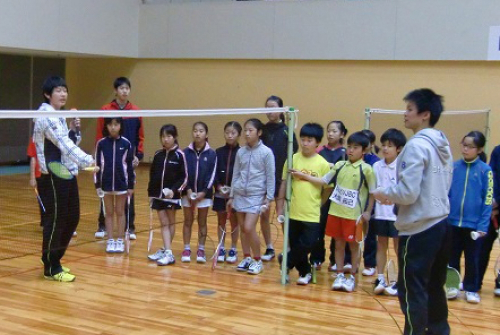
point(133, 127)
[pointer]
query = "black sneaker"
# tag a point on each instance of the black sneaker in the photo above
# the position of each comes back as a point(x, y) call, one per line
point(269, 254)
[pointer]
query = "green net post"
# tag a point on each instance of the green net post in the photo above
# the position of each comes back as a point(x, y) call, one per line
point(286, 224)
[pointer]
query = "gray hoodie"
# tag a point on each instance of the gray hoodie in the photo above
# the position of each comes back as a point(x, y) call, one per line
point(424, 171)
point(253, 172)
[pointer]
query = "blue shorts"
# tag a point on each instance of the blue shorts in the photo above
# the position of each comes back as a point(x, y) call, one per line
point(385, 228)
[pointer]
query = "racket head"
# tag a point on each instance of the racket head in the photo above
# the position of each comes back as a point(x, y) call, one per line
point(453, 278)
point(61, 171)
point(392, 272)
point(361, 229)
point(127, 242)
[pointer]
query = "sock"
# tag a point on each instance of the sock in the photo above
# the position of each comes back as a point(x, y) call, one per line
point(201, 247)
point(257, 258)
point(168, 251)
point(270, 246)
point(247, 255)
point(187, 247)
point(233, 248)
point(381, 276)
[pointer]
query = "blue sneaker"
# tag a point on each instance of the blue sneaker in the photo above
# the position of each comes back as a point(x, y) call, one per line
point(221, 256)
point(232, 256)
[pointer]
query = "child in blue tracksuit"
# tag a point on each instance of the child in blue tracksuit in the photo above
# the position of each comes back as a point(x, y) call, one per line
point(115, 178)
point(201, 162)
point(471, 196)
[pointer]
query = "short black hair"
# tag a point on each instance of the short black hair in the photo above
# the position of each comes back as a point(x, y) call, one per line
point(276, 99)
point(312, 129)
point(120, 81)
point(426, 100)
point(108, 120)
point(236, 125)
point(395, 136)
point(479, 141)
point(359, 138)
point(50, 84)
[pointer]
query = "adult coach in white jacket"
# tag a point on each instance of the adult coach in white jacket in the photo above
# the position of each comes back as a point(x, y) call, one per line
point(424, 173)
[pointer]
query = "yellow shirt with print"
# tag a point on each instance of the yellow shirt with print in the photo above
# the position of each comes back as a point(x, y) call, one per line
point(305, 203)
point(349, 178)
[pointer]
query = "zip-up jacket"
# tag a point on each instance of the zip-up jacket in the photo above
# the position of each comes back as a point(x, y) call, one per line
point(275, 137)
point(333, 155)
point(201, 169)
point(495, 167)
point(424, 170)
point(168, 170)
point(226, 157)
point(114, 159)
point(254, 172)
point(471, 195)
point(133, 128)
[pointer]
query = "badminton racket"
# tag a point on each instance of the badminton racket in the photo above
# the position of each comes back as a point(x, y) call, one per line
point(151, 230)
point(60, 170)
point(452, 279)
point(391, 271)
point(221, 242)
point(39, 199)
point(127, 232)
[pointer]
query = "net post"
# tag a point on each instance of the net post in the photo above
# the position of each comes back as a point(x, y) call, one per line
point(286, 224)
point(487, 132)
point(368, 114)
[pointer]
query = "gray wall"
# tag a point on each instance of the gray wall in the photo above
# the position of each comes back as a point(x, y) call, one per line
point(315, 29)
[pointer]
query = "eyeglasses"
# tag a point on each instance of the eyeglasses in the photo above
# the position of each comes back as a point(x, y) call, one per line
point(467, 146)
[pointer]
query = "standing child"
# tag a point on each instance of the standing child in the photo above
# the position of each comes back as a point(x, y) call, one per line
point(351, 202)
point(226, 156)
point(167, 180)
point(201, 163)
point(251, 192)
point(133, 131)
point(471, 196)
point(333, 152)
point(393, 141)
point(115, 178)
point(305, 203)
point(424, 170)
point(275, 137)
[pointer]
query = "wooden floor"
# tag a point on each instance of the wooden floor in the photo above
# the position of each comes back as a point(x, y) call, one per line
point(119, 294)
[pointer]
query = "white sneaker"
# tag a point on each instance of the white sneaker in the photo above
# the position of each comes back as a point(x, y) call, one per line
point(157, 255)
point(472, 297)
point(304, 280)
point(244, 264)
point(496, 292)
point(232, 256)
point(368, 272)
point(349, 284)
point(75, 234)
point(221, 257)
point(347, 267)
point(133, 236)
point(332, 268)
point(339, 282)
point(100, 234)
point(186, 256)
point(119, 246)
point(255, 267)
point(167, 259)
point(451, 293)
point(380, 286)
point(392, 289)
point(110, 246)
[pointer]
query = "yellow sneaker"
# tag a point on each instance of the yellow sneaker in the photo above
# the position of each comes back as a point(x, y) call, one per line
point(62, 277)
point(65, 269)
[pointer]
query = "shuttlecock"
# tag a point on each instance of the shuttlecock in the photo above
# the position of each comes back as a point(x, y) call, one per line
point(100, 193)
point(193, 196)
point(281, 218)
point(474, 235)
point(168, 193)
